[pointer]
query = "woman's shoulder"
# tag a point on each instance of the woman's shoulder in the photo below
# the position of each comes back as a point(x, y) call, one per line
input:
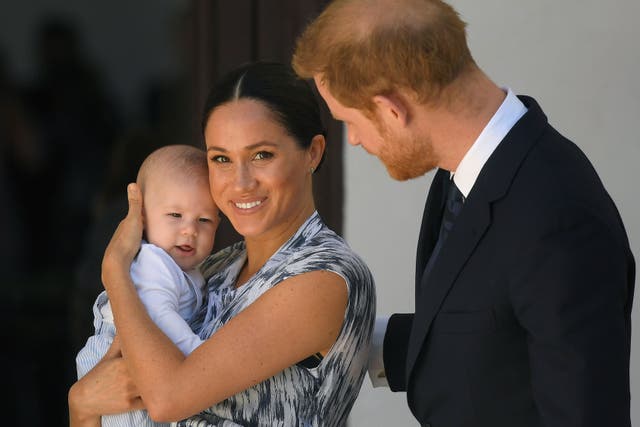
point(330, 244)
point(326, 250)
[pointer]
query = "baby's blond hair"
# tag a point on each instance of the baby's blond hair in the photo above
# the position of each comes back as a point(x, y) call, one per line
point(177, 161)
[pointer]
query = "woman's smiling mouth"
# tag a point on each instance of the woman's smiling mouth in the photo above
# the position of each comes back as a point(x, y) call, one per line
point(248, 205)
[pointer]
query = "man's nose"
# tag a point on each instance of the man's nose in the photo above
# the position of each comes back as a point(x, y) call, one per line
point(352, 138)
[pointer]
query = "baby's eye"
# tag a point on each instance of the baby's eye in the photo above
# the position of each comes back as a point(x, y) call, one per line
point(204, 220)
point(174, 215)
point(263, 155)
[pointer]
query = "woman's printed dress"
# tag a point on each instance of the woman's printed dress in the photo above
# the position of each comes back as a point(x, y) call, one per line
point(297, 396)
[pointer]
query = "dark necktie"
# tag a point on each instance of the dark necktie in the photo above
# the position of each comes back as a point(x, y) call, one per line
point(452, 207)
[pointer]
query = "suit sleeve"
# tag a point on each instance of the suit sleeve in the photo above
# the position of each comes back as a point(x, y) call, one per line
point(573, 296)
point(396, 342)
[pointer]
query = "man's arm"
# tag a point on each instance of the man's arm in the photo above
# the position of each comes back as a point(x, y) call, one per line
point(375, 367)
point(395, 335)
point(572, 296)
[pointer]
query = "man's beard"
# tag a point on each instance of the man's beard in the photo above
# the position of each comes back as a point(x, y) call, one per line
point(407, 158)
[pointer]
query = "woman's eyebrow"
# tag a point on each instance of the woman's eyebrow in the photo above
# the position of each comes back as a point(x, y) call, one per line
point(248, 147)
point(214, 148)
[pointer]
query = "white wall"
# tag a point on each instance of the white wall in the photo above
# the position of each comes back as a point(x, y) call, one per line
point(581, 60)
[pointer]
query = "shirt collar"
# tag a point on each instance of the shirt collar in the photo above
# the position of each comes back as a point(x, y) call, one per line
point(510, 111)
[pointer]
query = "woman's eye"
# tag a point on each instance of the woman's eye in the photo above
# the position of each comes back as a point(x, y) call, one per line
point(220, 159)
point(175, 215)
point(263, 155)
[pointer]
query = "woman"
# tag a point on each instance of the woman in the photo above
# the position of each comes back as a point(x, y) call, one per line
point(290, 309)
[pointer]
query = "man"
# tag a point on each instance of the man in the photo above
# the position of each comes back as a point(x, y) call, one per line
point(524, 276)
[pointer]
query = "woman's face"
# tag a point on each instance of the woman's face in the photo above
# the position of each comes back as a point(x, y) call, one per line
point(259, 177)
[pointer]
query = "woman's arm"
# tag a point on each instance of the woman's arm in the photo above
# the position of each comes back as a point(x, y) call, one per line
point(106, 389)
point(301, 316)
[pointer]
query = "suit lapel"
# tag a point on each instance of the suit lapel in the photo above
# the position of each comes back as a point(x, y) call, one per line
point(472, 223)
point(432, 289)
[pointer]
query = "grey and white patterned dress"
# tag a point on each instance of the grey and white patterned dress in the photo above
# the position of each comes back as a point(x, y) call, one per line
point(297, 396)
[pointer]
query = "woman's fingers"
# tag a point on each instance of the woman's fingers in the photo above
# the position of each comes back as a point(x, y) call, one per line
point(114, 350)
point(135, 202)
point(137, 403)
point(106, 389)
point(125, 241)
point(130, 229)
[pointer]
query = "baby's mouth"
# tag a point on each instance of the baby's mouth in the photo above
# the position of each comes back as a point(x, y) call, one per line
point(185, 248)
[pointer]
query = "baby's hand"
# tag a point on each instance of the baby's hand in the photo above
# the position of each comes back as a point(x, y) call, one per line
point(125, 243)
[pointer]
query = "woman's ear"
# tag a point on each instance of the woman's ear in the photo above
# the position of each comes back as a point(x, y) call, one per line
point(316, 150)
point(393, 109)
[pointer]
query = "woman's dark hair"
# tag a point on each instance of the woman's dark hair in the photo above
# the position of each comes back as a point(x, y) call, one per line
point(276, 85)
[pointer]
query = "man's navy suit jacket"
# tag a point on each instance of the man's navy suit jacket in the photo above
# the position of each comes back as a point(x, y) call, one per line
point(525, 318)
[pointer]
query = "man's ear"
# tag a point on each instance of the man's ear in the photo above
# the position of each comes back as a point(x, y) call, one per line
point(393, 108)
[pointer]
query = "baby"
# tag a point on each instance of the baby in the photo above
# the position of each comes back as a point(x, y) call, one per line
point(180, 221)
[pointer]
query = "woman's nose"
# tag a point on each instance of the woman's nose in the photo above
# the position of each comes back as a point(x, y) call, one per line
point(244, 179)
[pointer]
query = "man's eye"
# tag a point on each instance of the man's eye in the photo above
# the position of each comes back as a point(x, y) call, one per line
point(175, 215)
point(263, 155)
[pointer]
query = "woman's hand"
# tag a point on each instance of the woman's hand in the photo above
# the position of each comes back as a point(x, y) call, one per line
point(106, 389)
point(125, 242)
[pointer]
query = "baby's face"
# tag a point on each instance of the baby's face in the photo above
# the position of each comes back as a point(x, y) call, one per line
point(181, 218)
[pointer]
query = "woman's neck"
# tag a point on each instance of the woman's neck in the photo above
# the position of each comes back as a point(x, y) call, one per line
point(261, 248)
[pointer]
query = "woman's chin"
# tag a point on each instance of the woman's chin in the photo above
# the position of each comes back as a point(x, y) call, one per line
point(245, 227)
